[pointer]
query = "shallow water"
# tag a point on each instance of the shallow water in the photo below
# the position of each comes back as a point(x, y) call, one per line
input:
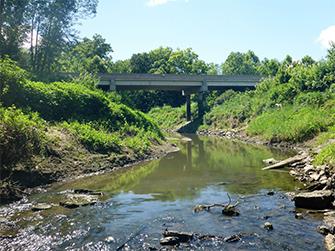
point(141, 202)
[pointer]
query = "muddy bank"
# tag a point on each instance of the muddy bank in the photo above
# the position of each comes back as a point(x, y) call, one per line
point(62, 164)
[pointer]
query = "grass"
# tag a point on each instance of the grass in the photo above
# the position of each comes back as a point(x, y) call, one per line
point(168, 117)
point(326, 156)
point(292, 124)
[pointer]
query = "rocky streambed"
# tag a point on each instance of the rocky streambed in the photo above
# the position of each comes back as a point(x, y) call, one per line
point(211, 195)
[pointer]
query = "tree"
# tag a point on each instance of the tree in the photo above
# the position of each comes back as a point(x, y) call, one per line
point(13, 26)
point(269, 67)
point(241, 63)
point(89, 55)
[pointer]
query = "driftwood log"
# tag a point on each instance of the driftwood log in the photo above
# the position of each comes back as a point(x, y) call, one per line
point(287, 162)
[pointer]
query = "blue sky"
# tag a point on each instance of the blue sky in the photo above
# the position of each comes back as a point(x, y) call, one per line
point(214, 28)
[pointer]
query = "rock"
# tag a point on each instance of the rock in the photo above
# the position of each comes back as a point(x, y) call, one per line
point(86, 191)
point(79, 200)
point(324, 230)
point(293, 173)
point(230, 210)
point(270, 161)
point(268, 226)
point(308, 169)
point(232, 238)
point(41, 207)
point(299, 216)
point(185, 139)
point(314, 200)
point(110, 239)
point(182, 236)
point(271, 193)
point(169, 241)
point(315, 176)
point(330, 242)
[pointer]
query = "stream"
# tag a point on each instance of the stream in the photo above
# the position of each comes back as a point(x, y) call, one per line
point(140, 202)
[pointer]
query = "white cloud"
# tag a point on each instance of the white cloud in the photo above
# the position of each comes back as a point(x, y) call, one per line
point(327, 36)
point(153, 3)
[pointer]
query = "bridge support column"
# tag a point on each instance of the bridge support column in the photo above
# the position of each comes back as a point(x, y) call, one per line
point(188, 107)
point(112, 85)
point(201, 104)
point(202, 99)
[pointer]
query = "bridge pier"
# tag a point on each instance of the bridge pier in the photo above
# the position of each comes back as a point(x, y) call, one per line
point(201, 104)
point(188, 107)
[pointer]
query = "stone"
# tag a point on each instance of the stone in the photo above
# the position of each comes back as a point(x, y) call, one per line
point(270, 161)
point(299, 216)
point(308, 169)
point(79, 200)
point(86, 191)
point(41, 207)
point(230, 210)
point(293, 173)
point(330, 242)
point(110, 239)
point(324, 230)
point(315, 176)
point(182, 236)
point(314, 200)
point(268, 226)
point(270, 193)
point(185, 139)
point(232, 238)
point(169, 241)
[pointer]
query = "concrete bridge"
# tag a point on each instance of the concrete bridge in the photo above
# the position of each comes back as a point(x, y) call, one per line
point(187, 84)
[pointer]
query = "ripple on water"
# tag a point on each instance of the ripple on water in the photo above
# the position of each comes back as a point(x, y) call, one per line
point(140, 203)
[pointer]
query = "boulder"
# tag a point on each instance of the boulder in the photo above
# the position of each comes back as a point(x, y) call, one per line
point(169, 241)
point(314, 200)
point(330, 242)
point(268, 226)
point(182, 236)
point(41, 207)
point(79, 200)
point(324, 230)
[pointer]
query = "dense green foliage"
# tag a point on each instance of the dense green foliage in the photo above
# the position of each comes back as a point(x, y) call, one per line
point(91, 115)
point(21, 136)
point(47, 24)
point(295, 104)
point(170, 118)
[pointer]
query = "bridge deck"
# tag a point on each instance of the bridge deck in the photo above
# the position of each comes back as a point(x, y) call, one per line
point(191, 83)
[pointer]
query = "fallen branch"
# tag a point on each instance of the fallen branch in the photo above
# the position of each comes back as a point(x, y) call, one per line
point(287, 162)
point(228, 209)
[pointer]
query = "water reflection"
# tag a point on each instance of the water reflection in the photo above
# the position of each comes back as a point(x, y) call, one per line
point(201, 162)
point(160, 194)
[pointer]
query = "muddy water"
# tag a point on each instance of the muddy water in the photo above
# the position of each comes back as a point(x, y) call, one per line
point(141, 202)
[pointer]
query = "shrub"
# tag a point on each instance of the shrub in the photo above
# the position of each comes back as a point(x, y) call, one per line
point(311, 99)
point(93, 139)
point(21, 135)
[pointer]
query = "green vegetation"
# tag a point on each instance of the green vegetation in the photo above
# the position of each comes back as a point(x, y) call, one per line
point(100, 124)
point(21, 136)
point(170, 118)
point(294, 124)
